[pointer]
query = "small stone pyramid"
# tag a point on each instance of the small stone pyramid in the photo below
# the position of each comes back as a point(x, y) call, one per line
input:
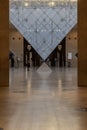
point(44, 68)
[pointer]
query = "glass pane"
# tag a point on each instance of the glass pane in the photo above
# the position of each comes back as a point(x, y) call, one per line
point(43, 23)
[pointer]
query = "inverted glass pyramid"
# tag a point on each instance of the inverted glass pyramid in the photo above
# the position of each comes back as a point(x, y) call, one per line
point(43, 23)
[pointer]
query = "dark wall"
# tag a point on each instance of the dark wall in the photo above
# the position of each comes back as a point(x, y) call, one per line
point(56, 58)
point(35, 57)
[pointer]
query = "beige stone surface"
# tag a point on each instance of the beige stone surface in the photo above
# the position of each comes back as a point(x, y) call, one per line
point(82, 42)
point(4, 43)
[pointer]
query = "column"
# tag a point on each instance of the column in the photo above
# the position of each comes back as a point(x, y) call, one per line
point(82, 43)
point(4, 43)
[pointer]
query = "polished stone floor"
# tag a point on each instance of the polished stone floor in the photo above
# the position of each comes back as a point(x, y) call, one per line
point(43, 101)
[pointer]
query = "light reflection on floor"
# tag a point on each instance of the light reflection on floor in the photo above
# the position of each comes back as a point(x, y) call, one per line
point(36, 102)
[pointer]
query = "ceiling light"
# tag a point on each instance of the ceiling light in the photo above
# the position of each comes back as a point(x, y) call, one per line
point(26, 4)
point(73, 0)
point(52, 3)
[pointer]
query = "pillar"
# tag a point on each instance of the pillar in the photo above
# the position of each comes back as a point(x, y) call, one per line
point(4, 43)
point(82, 43)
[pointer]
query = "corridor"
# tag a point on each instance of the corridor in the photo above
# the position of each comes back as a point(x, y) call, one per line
point(43, 101)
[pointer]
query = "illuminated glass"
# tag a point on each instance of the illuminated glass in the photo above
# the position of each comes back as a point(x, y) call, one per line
point(43, 23)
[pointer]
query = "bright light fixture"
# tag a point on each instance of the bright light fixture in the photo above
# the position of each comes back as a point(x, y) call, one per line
point(73, 0)
point(52, 3)
point(26, 4)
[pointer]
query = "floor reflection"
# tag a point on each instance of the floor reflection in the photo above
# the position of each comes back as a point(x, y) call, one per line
point(36, 102)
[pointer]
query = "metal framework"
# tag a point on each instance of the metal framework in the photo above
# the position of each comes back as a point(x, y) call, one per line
point(43, 23)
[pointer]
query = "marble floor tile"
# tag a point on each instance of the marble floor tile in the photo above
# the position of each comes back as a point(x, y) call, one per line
point(35, 101)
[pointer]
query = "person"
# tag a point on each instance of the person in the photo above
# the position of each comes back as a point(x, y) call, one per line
point(28, 65)
point(12, 61)
point(76, 54)
point(11, 57)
